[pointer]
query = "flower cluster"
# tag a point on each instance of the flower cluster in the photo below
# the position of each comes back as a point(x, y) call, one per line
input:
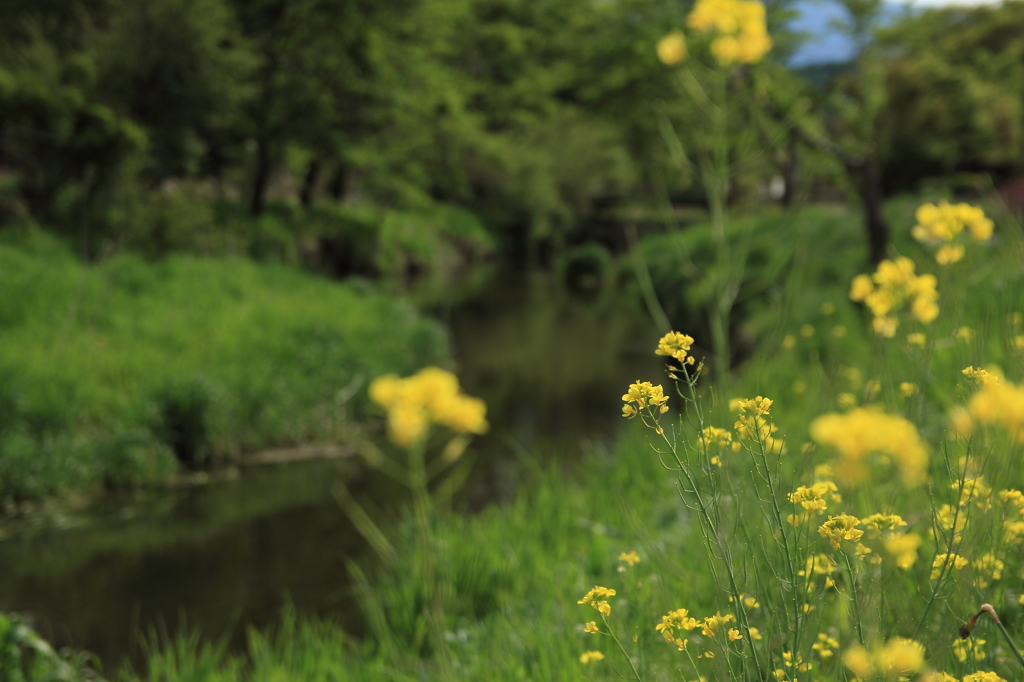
point(825, 646)
point(890, 288)
point(431, 396)
point(944, 224)
point(672, 48)
point(598, 598)
point(903, 548)
point(679, 619)
point(899, 657)
point(996, 402)
point(643, 393)
point(944, 561)
point(676, 345)
point(812, 499)
point(752, 423)
point(839, 528)
point(863, 431)
point(741, 35)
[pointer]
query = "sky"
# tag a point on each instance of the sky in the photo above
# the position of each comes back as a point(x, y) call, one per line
point(826, 44)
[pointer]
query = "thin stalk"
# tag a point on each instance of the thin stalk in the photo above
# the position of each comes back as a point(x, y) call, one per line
point(636, 675)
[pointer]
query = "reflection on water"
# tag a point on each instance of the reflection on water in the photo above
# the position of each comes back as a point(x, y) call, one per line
point(551, 366)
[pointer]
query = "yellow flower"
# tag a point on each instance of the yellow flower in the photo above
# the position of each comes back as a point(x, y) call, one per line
point(672, 48)
point(858, 660)
point(788, 341)
point(944, 561)
point(907, 389)
point(591, 627)
point(630, 558)
point(996, 402)
point(949, 254)
point(903, 548)
point(676, 345)
point(965, 334)
point(812, 498)
point(900, 657)
point(597, 597)
point(643, 393)
point(431, 396)
point(712, 435)
point(807, 331)
point(983, 677)
point(755, 633)
point(839, 528)
point(879, 522)
point(734, 634)
point(863, 431)
point(741, 34)
point(987, 568)
point(892, 287)
point(679, 619)
point(916, 339)
point(712, 623)
point(825, 646)
point(969, 648)
point(588, 656)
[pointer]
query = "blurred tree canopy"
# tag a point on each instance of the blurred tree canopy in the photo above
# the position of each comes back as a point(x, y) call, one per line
point(955, 83)
point(533, 114)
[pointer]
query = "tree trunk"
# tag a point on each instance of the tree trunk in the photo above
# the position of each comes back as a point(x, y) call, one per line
point(339, 181)
point(262, 177)
point(874, 222)
point(309, 184)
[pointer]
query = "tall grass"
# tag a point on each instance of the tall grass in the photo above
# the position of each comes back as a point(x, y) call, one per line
point(511, 577)
point(117, 372)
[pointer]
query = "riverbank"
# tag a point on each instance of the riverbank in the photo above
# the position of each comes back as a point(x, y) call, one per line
point(128, 371)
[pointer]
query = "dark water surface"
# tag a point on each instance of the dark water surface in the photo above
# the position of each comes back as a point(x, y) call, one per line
point(228, 554)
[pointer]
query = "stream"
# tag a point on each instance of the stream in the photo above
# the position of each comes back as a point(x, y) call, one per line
point(230, 553)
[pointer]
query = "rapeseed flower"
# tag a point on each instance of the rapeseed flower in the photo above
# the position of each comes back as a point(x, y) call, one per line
point(741, 34)
point(713, 623)
point(825, 646)
point(431, 396)
point(591, 656)
point(898, 658)
point(983, 676)
point(676, 345)
point(944, 561)
point(839, 528)
point(679, 619)
point(598, 598)
point(631, 557)
point(996, 402)
point(863, 431)
point(903, 548)
point(672, 48)
point(591, 627)
point(812, 497)
point(945, 224)
point(892, 287)
point(643, 393)
point(987, 568)
point(969, 648)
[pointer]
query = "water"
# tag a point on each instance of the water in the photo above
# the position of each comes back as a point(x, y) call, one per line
point(219, 557)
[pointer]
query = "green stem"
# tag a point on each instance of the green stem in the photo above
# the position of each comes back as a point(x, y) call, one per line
point(636, 675)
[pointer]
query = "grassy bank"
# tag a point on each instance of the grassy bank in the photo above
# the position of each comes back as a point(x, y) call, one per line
point(511, 578)
point(121, 372)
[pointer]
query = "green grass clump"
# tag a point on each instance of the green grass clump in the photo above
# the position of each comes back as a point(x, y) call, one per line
point(114, 373)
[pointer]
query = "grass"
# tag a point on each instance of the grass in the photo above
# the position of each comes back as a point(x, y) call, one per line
point(511, 576)
point(116, 373)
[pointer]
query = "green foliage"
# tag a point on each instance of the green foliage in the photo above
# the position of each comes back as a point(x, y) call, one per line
point(955, 79)
point(108, 368)
point(27, 657)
